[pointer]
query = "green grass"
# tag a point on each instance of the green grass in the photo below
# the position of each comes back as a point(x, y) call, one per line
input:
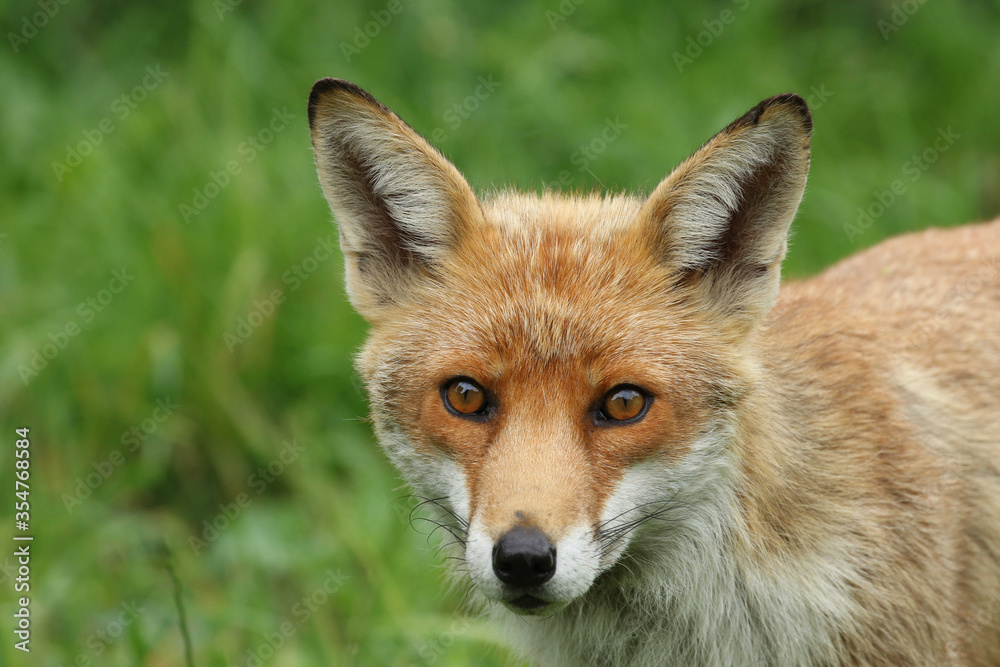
point(332, 525)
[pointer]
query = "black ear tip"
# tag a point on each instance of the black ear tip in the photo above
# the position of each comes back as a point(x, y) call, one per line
point(325, 86)
point(788, 100)
point(794, 101)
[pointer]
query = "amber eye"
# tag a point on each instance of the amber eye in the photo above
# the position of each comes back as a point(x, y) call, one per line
point(623, 403)
point(465, 397)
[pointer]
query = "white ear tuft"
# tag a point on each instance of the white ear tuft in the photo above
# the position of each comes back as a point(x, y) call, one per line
point(721, 219)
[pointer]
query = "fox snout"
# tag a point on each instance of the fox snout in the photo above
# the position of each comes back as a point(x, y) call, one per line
point(524, 557)
point(527, 530)
point(528, 571)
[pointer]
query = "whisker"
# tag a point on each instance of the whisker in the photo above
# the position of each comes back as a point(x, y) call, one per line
point(455, 526)
point(633, 509)
point(608, 538)
point(437, 502)
point(457, 537)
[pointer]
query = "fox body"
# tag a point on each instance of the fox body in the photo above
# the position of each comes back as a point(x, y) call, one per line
point(647, 455)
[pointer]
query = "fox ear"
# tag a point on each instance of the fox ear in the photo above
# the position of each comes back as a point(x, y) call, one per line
point(400, 205)
point(721, 219)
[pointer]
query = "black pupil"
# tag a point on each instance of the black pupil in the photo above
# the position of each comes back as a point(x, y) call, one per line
point(467, 391)
point(624, 400)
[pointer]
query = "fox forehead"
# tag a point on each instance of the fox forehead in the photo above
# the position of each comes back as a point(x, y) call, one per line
point(543, 279)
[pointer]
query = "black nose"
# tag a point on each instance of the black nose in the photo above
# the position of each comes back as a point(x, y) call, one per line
point(524, 557)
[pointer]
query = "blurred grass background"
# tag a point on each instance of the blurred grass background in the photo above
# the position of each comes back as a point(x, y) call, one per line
point(313, 563)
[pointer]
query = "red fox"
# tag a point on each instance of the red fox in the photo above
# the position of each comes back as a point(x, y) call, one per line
point(646, 453)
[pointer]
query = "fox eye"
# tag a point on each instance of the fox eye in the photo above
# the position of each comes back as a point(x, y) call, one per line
point(624, 403)
point(464, 397)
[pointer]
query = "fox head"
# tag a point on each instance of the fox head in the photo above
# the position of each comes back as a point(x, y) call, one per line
point(560, 375)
